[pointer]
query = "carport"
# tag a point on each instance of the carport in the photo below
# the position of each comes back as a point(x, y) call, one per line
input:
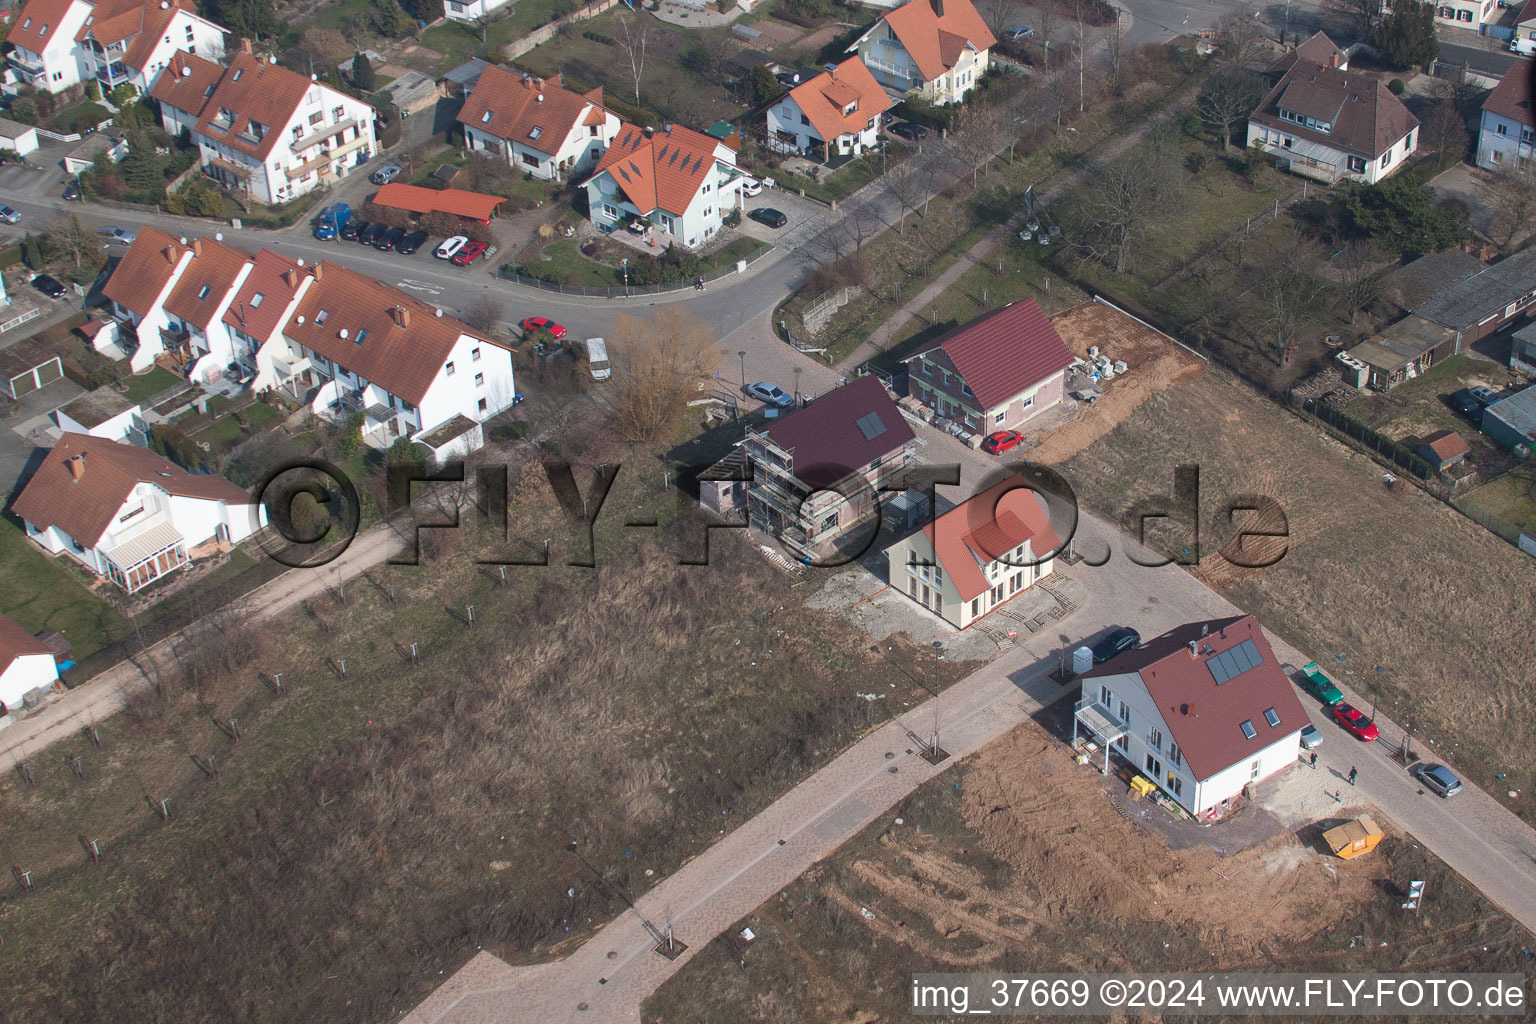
point(470, 205)
point(28, 365)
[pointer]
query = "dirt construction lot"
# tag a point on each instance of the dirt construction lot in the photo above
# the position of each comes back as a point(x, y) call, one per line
point(1016, 860)
point(1387, 578)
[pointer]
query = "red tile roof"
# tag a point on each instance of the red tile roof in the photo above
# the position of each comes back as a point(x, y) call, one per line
point(258, 91)
point(1446, 444)
point(824, 98)
point(258, 307)
point(187, 83)
point(145, 269)
point(512, 106)
point(402, 359)
point(984, 528)
point(1205, 717)
point(660, 171)
point(214, 267)
point(34, 26)
point(825, 440)
point(1006, 352)
point(84, 508)
point(16, 642)
point(934, 41)
point(1512, 97)
point(1367, 119)
point(1319, 49)
point(143, 22)
point(418, 199)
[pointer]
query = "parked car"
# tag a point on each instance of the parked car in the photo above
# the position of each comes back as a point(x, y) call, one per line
point(411, 242)
point(325, 229)
point(116, 235)
point(48, 286)
point(751, 187)
point(1311, 737)
point(1117, 642)
point(1355, 722)
point(1018, 32)
point(1319, 685)
point(352, 228)
point(373, 234)
point(909, 131)
point(468, 253)
point(542, 323)
point(384, 175)
point(1002, 441)
point(389, 239)
point(9, 215)
point(72, 190)
point(597, 359)
point(1439, 778)
point(769, 216)
point(1464, 405)
point(769, 394)
point(1484, 396)
point(450, 246)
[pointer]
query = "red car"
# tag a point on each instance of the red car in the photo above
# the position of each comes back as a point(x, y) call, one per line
point(468, 253)
point(1002, 441)
point(542, 323)
point(1355, 722)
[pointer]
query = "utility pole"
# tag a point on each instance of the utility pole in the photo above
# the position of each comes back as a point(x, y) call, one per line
point(624, 262)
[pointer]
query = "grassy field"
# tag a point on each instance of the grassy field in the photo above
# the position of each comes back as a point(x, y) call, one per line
point(40, 593)
point(1387, 578)
point(453, 38)
point(142, 387)
point(366, 832)
point(1512, 497)
point(848, 179)
point(1014, 861)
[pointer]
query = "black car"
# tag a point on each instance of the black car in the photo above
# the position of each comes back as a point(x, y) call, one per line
point(372, 235)
point(769, 216)
point(1117, 642)
point(389, 239)
point(352, 228)
point(1463, 404)
point(411, 242)
point(908, 130)
point(48, 286)
point(72, 190)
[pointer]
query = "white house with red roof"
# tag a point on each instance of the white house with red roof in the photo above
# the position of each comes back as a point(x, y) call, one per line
point(978, 556)
point(996, 372)
point(128, 514)
point(936, 50)
point(26, 664)
point(835, 113)
point(1330, 124)
point(1204, 711)
point(679, 181)
point(536, 125)
point(1506, 136)
point(270, 131)
point(470, 10)
point(111, 42)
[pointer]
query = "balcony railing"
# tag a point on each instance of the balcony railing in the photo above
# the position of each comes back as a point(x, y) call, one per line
point(19, 59)
point(876, 64)
point(326, 132)
point(325, 159)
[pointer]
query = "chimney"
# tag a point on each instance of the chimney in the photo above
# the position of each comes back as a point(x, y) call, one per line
point(245, 46)
point(648, 131)
point(317, 271)
point(1205, 628)
point(1194, 648)
point(539, 85)
point(170, 255)
point(76, 466)
point(402, 316)
point(197, 248)
point(291, 275)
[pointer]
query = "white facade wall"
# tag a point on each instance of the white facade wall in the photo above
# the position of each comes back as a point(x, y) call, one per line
point(1229, 782)
point(58, 67)
point(147, 323)
point(25, 674)
point(1013, 577)
point(199, 519)
point(1369, 171)
point(186, 31)
point(1503, 143)
point(459, 394)
point(582, 148)
point(128, 425)
point(719, 193)
point(786, 117)
point(455, 10)
point(21, 143)
point(893, 67)
point(1468, 14)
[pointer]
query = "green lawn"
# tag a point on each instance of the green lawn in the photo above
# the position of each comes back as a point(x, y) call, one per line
point(1512, 498)
point(39, 593)
point(453, 39)
point(831, 187)
point(144, 386)
point(260, 414)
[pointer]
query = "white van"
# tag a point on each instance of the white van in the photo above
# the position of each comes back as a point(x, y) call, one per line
point(597, 359)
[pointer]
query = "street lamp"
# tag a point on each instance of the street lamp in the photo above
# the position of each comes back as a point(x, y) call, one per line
point(938, 652)
point(1376, 695)
point(624, 263)
point(882, 157)
point(743, 355)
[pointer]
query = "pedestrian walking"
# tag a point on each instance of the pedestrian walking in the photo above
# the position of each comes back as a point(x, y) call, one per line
point(1338, 797)
point(1352, 773)
point(1314, 760)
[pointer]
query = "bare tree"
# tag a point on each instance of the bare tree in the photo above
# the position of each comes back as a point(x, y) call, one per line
point(1122, 201)
point(998, 15)
point(1113, 36)
point(1364, 15)
point(1048, 24)
point(907, 183)
point(485, 313)
point(1445, 131)
point(68, 237)
point(1082, 56)
point(1287, 285)
point(665, 357)
point(981, 131)
point(1243, 42)
point(632, 42)
point(1226, 99)
point(1361, 277)
point(1510, 195)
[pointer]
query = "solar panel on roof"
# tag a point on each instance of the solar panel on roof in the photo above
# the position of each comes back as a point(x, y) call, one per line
point(871, 425)
point(1230, 664)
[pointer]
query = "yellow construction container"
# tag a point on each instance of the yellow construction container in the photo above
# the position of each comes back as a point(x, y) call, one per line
point(1353, 838)
point(1140, 787)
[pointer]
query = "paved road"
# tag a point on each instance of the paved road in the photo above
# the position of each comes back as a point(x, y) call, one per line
point(1478, 58)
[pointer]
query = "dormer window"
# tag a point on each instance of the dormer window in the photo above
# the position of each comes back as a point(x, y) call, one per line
point(202, 293)
point(256, 300)
point(238, 73)
point(362, 335)
point(536, 132)
point(485, 118)
point(27, 23)
point(322, 316)
point(850, 108)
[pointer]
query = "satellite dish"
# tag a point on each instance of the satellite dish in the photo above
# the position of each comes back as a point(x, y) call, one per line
point(439, 311)
point(342, 334)
point(301, 319)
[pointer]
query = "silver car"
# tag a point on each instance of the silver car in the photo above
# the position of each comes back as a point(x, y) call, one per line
point(769, 394)
point(9, 215)
point(384, 175)
point(1439, 778)
point(1311, 738)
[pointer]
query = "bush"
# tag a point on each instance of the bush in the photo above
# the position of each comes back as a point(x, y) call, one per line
point(633, 114)
point(597, 37)
point(926, 114)
point(1396, 87)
